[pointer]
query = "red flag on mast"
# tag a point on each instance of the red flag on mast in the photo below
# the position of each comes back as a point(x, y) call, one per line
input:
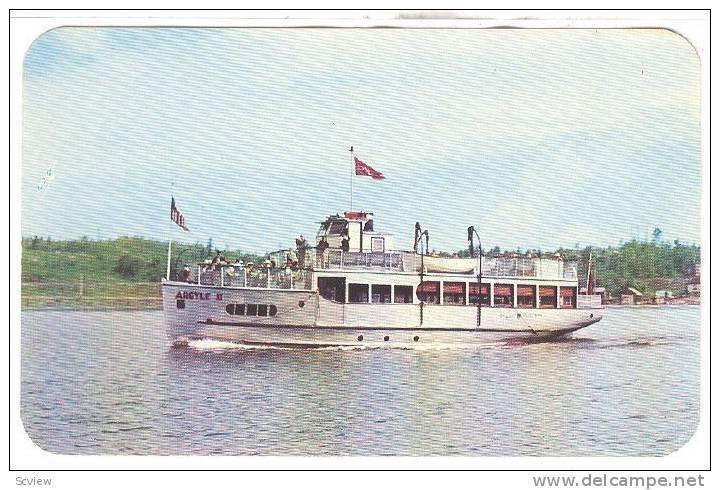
point(362, 168)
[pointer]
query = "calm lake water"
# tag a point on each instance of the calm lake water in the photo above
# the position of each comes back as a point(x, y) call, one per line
point(109, 383)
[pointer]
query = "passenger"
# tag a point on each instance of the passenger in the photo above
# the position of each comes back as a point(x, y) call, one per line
point(322, 244)
point(216, 260)
point(320, 250)
point(292, 259)
point(301, 245)
point(185, 274)
point(345, 243)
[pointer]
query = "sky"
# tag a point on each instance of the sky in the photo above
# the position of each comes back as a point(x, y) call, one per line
point(539, 138)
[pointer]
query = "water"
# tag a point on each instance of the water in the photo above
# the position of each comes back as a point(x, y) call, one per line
point(109, 383)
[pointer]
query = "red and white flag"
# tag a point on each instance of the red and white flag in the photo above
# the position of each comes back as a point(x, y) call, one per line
point(362, 168)
point(177, 216)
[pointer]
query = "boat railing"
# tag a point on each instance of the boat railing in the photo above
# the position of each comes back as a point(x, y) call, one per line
point(287, 270)
point(251, 277)
point(339, 259)
point(540, 268)
point(312, 258)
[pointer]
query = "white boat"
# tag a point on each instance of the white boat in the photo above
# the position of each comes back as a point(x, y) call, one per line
point(371, 294)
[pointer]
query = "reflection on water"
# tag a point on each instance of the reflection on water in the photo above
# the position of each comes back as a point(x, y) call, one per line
point(109, 383)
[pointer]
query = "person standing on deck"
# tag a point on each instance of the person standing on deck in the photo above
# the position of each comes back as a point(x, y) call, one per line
point(320, 250)
point(301, 245)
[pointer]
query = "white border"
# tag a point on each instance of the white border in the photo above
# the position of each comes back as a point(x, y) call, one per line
point(28, 25)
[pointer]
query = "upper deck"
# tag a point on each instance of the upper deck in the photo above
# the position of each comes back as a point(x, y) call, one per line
point(410, 262)
point(349, 244)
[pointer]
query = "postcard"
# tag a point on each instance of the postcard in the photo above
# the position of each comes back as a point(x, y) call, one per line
point(312, 241)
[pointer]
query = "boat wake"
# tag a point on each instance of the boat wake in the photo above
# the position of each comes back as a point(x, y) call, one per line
point(579, 342)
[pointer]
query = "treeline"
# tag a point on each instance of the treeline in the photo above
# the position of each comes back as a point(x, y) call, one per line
point(130, 259)
point(643, 265)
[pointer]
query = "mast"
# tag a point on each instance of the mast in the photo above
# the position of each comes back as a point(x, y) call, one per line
point(167, 275)
point(352, 171)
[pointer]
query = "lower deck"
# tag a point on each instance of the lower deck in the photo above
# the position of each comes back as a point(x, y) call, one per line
point(446, 290)
point(236, 313)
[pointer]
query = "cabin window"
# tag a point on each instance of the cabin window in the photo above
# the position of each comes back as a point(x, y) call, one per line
point(525, 296)
point(358, 293)
point(548, 296)
point(337, 227)
point(429, 292)
point(503, 295)
point(484, 293)
point(332, 288)
point(568, 296)
point(454, 293)
point(368, 225)
point(377, 244)
point(403, 294)
point(251, 309)
point(381, 293)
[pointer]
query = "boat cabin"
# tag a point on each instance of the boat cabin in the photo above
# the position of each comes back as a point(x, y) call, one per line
point(366, 268)
point(358, 227)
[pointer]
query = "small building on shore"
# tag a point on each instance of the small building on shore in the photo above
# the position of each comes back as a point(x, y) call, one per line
point(631, 296)
point(600, 291)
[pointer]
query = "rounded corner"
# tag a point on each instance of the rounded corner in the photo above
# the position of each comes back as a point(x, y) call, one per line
point(684, 443)
point(687, 41)
point(33, 45)
point(30, 438)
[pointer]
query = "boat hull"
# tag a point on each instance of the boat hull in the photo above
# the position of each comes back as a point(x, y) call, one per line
point(303, 318)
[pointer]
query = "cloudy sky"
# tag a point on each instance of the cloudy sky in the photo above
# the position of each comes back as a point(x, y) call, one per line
point(539, 138)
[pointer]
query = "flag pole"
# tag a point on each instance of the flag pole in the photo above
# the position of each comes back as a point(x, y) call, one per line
point(167, 275)
point(172, 205)
point(352, 165)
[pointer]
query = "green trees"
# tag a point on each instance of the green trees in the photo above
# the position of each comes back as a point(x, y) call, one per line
point(646, 266)
point(125, 267)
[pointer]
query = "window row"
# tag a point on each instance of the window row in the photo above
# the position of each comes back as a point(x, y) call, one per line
point(251, 309)
point(453, 293)
point(503, 294)
point(379, 293)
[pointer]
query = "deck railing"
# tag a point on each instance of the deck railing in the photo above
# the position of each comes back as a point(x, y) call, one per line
point(255, 277)
point(296, 273)
point(338, 259)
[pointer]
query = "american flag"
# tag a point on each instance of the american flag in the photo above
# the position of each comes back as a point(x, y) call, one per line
point(177, 216)
point(362, 168)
